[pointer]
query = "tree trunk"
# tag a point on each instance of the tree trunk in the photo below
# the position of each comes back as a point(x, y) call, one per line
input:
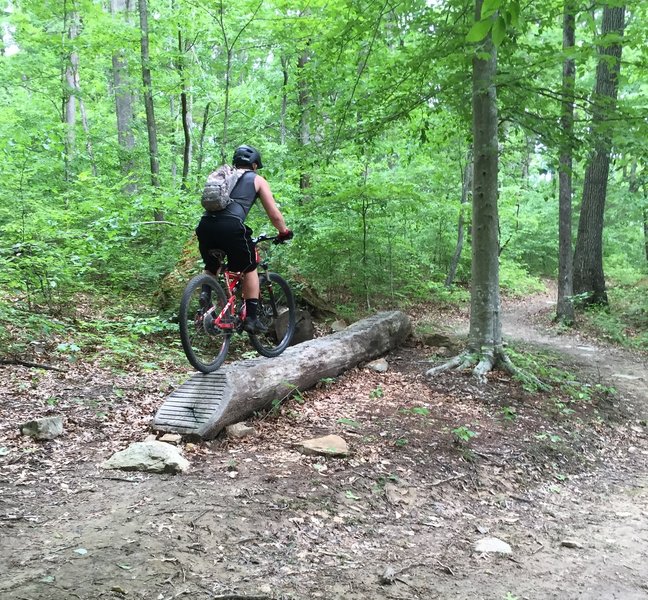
point(69, 99)
point(123, 104)
point(589, 278)
point(304, 119)
point(466, 184)
point(148, 98)
point(206, 404)
point(284, 99)
point(201, 142)
point(485, 335)
point(564, 305)
point(185, 113)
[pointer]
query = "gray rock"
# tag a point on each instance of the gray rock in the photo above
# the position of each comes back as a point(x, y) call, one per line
point(239, 430)
point(46, 428)
point(338, 325)
point(153, 457)
point(329, 445)
point(492, 544)
point(379, 366)
point(571, 543)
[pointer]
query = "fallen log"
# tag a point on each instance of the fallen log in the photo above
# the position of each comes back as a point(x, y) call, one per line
point(206, 404)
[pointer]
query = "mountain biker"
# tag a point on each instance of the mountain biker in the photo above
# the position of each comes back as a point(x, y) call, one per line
point(225, 230)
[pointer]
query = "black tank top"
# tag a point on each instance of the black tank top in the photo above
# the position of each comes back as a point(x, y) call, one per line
point(244, 194)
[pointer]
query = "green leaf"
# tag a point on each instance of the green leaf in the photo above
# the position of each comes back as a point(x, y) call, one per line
point(499, 31)
point(513, 13)
point(349, 423)
point(490, 7)
point(479, 30)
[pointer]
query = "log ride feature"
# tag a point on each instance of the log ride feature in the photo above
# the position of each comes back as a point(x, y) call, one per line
point(205, 404)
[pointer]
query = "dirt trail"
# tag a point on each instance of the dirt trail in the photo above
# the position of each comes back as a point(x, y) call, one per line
point(256, 519)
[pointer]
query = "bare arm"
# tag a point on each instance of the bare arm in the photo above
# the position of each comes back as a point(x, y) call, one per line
point(269, 204)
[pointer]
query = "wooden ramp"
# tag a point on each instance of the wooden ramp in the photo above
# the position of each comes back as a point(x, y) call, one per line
point(191, 407)
point(205, 404)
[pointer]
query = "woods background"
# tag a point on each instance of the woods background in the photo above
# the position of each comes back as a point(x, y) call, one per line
point(115, 112)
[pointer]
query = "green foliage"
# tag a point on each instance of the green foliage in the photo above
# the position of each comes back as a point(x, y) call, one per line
point(463, 434)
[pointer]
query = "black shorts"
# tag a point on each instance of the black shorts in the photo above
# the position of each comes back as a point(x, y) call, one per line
point(230, 235)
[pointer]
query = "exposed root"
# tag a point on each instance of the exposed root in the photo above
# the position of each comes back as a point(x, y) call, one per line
point(523, 376)
point(483, 363)
point(458, 362)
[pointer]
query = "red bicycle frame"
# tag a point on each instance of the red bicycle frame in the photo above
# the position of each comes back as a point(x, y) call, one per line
point(227, 317)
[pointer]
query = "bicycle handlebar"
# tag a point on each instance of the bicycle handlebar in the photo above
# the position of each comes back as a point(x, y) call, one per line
point(268, 238)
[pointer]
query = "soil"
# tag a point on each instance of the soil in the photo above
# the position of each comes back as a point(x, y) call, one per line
point(561, 476)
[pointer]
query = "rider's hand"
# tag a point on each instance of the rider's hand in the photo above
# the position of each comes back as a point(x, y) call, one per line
point(284, 236)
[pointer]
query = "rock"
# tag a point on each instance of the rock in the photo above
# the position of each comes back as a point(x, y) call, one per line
point(437, 339)
point(304, 328)
point(329, 445)
point(571, 543)
point(46, 428)
point(171, 438)
point(338, 325)
point(153, 457)
point(492, 544)
point(239, 430)
point(379, 366)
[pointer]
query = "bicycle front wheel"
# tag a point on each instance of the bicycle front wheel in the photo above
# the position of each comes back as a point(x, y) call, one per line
point(204, 344)
point(277, 312)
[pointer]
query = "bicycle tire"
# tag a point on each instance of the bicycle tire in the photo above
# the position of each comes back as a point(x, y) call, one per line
point(278, 313)
point(204, 345)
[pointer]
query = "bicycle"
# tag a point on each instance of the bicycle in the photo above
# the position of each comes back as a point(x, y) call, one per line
point(211, 313)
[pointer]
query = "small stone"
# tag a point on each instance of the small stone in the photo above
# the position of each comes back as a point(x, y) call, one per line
point(329, 445)
point(493, 545)
point(379, 366)
point(239, 430)
point(171, 438)
point(46, 428)
point(571, 543)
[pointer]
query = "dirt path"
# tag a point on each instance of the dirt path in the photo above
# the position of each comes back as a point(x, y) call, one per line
point(254, 519)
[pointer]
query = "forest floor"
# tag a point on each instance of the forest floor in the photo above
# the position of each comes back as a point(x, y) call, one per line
point(561, 476)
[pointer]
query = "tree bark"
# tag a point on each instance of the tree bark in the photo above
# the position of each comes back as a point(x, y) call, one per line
point(466, 184)
point(206, 404)
point(123, 104)
point(589, 277)
point(148, 97)
point(564, 304)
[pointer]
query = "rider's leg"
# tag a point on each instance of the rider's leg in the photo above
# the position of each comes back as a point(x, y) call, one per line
point(251, 287)
point(251, 290)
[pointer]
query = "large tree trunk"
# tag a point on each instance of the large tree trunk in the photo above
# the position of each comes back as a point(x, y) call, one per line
point(485, 334)
point(564, 304)
point(123, 103)
point(466, 185)
point(148, 97)
point(206, 404)
point(589, 278)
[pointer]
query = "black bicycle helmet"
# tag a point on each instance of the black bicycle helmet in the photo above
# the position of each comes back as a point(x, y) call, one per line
point(244, 156)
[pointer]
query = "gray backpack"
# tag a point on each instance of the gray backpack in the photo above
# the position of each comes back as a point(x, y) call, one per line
point(219, 186)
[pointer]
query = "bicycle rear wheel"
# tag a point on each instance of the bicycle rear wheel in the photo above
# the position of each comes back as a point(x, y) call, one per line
point(277, 312)
point(204, 344)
